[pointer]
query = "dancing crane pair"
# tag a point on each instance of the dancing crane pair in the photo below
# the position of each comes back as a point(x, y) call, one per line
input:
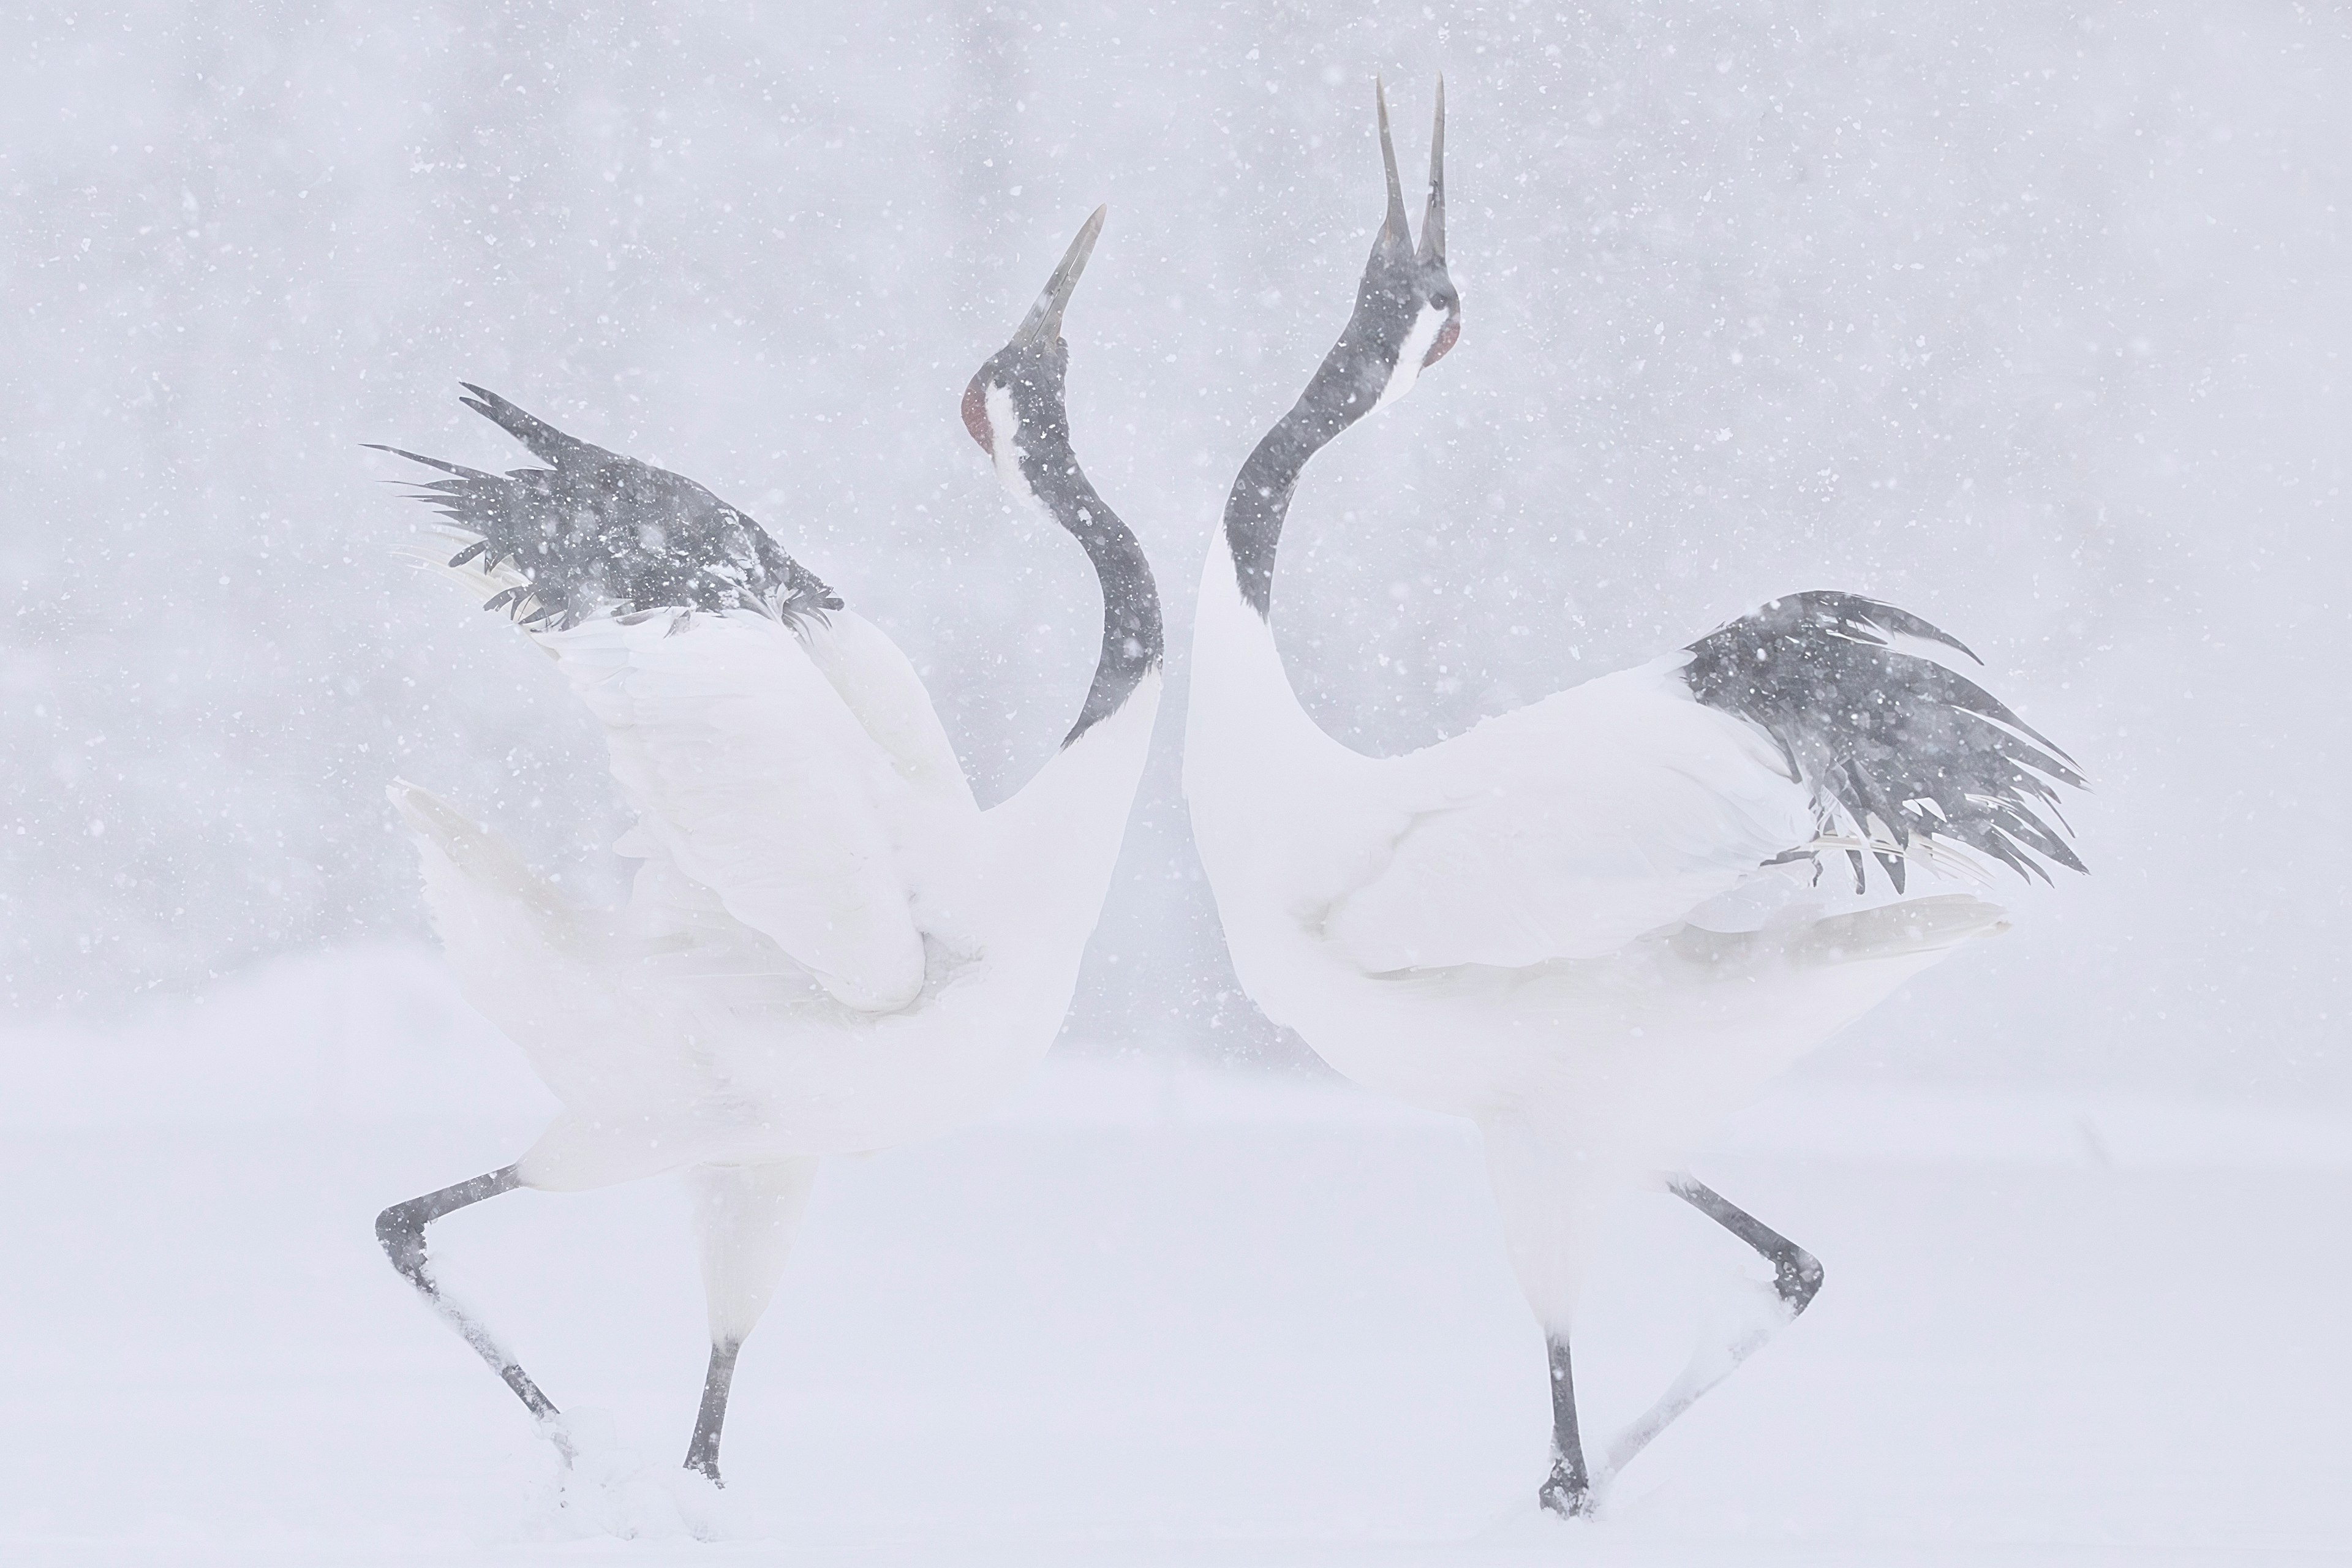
point(829, 948)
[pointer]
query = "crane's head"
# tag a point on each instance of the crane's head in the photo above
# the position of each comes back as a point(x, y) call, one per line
point(1407, 312)
point(1013, 406)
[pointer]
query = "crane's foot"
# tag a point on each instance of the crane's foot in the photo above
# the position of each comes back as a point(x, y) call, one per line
point(1567, 1492)
point(556, 1427)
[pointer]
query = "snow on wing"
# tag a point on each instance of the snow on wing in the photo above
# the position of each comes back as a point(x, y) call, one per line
point(1568, 828)
point(747, 770)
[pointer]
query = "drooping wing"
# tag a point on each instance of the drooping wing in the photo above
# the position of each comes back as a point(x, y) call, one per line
point(1573, 825)
point(1567, 828)
point(750, 773)
point(1897, 746)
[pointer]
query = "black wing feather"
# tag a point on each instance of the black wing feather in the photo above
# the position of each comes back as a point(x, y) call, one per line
point(598, 533)
point(1901, 744)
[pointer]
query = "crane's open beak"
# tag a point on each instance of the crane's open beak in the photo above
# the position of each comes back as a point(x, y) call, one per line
point(1396, 234)
point(1433, 217)
point(1044, 323)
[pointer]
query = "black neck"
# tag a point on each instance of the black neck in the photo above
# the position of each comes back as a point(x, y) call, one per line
point(1132, 639)
point(1344, 390)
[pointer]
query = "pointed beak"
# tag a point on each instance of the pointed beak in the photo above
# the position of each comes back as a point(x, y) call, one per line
point(1044, 323)
point(1432, 218)
point(1394, 235)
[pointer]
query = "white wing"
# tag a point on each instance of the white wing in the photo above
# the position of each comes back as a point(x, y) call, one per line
point(754, 775)
point(886, 696)
point(1567, 828)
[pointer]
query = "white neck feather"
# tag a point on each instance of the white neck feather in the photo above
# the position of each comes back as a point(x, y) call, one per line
point(1417, 344)
point(1004, 432)
point(1243, 719)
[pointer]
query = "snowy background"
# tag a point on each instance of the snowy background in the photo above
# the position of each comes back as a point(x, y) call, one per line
point(2032, 319)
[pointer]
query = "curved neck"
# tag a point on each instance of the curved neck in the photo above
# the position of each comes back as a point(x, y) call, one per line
point(1133, 641)
point(1347, 387)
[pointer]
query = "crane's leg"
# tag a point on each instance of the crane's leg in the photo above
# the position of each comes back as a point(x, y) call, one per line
point(710, 1418)
point(744, 1219)
point(1568, 1492)
point(1796, 1280)
point(401, 1229)
point(1796, 1273)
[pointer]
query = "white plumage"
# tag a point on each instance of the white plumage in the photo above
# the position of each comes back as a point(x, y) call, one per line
point(1506, 925)
point(1592, 925)
point(1567, 828)
point(828, 947)
point(847, 950)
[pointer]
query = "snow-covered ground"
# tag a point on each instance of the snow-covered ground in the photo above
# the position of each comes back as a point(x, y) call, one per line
point(1146, 1314)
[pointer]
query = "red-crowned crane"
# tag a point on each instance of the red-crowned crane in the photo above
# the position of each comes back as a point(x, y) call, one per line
point(828, 946)
point(1516, 925)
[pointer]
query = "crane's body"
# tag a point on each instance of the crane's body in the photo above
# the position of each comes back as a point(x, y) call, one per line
point(828, 947)
point(1508, 925)
point(1592, 925)
point(930, 1017)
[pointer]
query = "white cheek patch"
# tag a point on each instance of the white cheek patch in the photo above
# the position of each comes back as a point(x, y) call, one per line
point(1417, 344)
point(1004, 426)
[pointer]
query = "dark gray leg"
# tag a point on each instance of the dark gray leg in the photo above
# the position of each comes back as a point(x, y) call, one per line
point(401, 1229)
point(702, 1453)
point(1796, 1273)
point(1568, 1491)
point(1796, 1280)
